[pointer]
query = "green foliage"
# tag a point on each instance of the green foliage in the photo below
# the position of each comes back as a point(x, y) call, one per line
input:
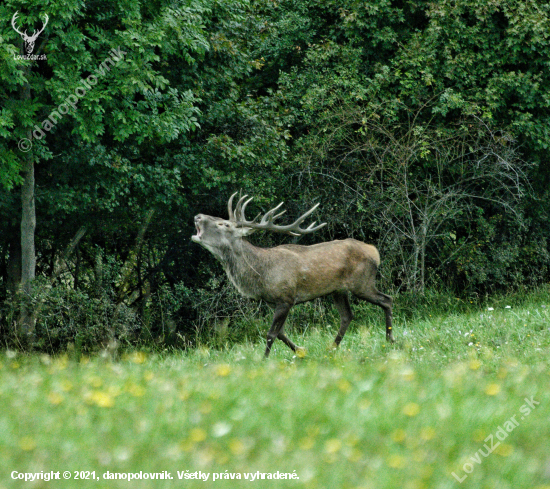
point(501, 256)
point(72, 317)
point(291, 100)
point(388, 144)
point(68, 318)
point(108, 61)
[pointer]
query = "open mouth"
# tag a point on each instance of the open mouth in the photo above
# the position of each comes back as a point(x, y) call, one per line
point(197, 237)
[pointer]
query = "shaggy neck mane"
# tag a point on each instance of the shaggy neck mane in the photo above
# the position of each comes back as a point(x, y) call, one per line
point(243, 266)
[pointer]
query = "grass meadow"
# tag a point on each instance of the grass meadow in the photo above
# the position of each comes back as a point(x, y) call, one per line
point(461, 399)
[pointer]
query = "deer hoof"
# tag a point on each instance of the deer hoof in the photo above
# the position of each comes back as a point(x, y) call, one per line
point(301, 352)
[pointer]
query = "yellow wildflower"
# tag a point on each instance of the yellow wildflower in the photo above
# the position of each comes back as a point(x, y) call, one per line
point(411, 409)
point(492, 389)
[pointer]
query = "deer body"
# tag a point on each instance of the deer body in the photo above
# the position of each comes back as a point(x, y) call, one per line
point(290, 274)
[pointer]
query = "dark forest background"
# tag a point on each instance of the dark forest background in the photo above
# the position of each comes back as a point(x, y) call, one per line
point(421, 127)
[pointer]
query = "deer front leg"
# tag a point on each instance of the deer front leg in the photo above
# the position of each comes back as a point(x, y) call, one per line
point(279, 318)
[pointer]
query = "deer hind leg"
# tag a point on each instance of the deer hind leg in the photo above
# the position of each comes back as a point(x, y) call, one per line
point(385, 302)
point(342, 304)
point(276, 330)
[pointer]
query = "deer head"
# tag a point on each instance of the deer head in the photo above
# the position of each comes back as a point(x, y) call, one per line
point(29, 40)
point(214, 233)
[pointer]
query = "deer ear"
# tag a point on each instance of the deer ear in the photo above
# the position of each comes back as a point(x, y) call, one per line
point(245, 231)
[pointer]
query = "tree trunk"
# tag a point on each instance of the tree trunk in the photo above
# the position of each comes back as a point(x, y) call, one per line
point(28, 224)
point(28, 256)
point(13, 267)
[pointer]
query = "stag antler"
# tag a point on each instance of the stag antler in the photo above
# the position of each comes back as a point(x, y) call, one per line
point(266, 222)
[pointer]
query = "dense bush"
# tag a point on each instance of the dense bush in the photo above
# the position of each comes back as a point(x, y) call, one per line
point(420, 127)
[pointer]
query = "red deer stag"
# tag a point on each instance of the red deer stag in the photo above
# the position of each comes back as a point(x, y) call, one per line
point(290, 274)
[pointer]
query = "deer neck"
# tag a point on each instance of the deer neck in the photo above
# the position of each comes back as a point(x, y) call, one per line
point(244, 267)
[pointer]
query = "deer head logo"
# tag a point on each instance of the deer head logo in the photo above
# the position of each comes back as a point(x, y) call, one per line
point(29, 40)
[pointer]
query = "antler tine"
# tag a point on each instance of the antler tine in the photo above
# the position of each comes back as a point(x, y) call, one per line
point(237, 215)
point(240, 211)
point(295, 228)
point(266, 221)
point(238, 208)
point(302, 218)
point(311, 229)
point(269, 217)
point(278, 215)
point(230, 207)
